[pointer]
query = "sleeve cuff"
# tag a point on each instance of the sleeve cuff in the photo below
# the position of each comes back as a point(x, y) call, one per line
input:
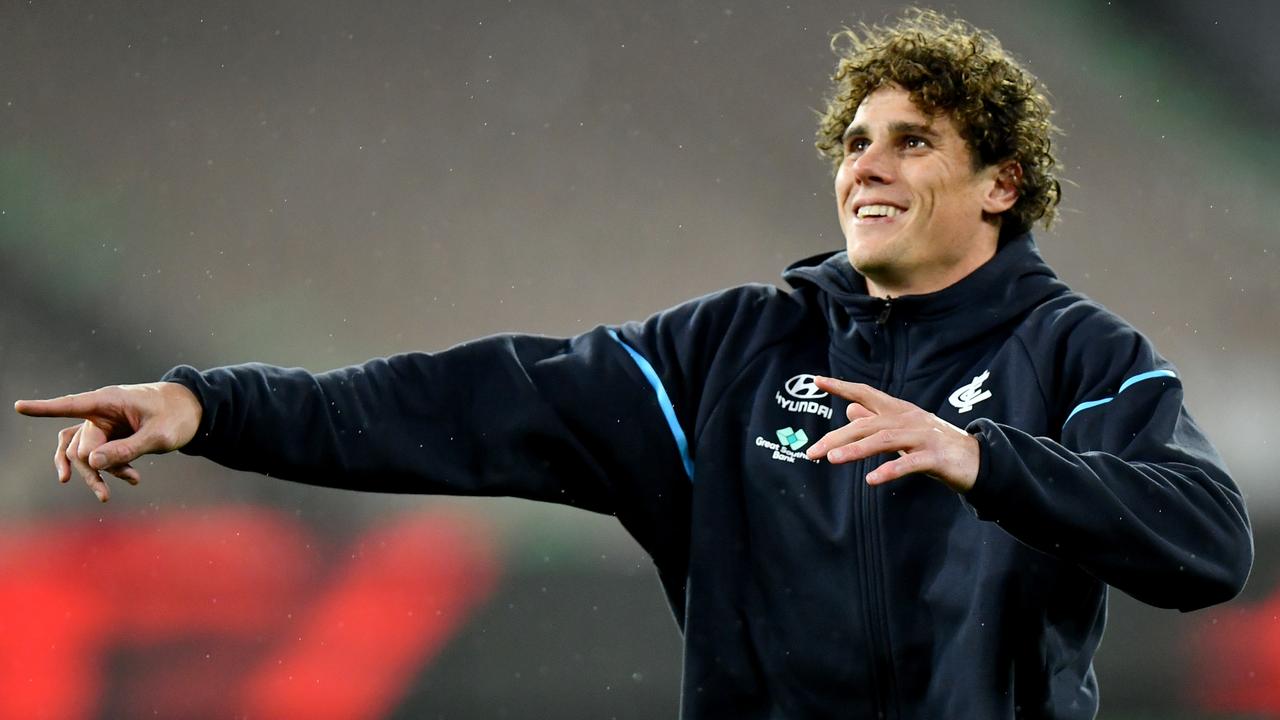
point(984, 497)
point(191, 379)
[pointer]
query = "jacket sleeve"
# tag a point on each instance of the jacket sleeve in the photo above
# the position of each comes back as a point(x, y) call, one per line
point(599, 421)
point(1131, 490)
point(562, 420)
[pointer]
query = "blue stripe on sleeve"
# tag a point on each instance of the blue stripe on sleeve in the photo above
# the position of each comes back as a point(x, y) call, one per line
point(1123, 386)
point(1086, 406)
point(1145, 376)
point(664, 401)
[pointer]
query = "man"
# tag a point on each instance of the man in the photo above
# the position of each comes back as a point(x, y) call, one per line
point(931, 536)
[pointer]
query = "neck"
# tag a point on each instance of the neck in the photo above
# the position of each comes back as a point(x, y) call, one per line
point(923, 282)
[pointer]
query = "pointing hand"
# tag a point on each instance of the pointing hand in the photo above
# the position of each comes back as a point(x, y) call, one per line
point(120, 424)
point(881, 423)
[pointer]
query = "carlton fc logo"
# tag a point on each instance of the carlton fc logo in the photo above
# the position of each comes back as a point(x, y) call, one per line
point(970, 394)
point(803, 392)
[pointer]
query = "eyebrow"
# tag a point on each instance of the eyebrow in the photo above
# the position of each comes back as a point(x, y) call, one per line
point(898, 127)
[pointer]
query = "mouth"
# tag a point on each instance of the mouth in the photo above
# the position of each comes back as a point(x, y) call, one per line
point(872, 213)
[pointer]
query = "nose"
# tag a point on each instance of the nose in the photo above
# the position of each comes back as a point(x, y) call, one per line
point(874, 165)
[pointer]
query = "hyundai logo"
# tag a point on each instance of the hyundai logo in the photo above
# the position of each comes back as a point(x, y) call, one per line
point(802, 387)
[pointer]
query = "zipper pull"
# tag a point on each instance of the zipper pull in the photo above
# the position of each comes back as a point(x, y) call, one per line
point(884, 313)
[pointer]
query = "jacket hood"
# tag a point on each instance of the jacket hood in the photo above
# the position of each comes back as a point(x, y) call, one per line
point(1007, 286)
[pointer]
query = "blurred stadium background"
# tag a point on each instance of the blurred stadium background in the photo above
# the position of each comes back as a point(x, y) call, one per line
point(315, 183)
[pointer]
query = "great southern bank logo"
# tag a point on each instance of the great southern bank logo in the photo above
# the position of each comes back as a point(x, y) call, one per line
point(803, 391)
point(787, 449)
point(794, 439)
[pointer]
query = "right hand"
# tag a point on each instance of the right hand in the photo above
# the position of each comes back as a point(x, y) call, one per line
point(121, 424)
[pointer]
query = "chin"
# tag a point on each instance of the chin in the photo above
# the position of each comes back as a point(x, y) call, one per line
point(867, 252)
point(865, 263)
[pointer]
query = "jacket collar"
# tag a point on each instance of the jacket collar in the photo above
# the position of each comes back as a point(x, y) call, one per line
point(1014, 280)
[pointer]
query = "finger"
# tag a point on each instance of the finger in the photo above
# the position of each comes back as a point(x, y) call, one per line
point(884, 441)
point(856, 411)
point(60, 462)
point(78, 405)
point(126, 473)
point(77, 453)
point(122, 451)
point(852, 432)
point(910, 463)
point(874, 400)
point(72, 443)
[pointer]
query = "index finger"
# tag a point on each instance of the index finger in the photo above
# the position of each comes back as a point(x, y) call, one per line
point(874, 400)
point(79, 405)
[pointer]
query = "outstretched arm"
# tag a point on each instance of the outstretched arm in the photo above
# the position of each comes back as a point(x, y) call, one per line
point(600, 421)
point(560, 420)
point(567, 420)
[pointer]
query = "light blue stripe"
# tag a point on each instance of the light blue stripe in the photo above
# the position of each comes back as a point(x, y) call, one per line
point(1135, 379)
point(664, 401)
point(1145, 376)
point(1086, 406)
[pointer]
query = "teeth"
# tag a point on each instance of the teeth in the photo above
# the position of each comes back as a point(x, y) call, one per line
point(878, 211)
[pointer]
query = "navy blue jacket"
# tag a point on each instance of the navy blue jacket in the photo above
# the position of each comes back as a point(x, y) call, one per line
point(800, 590)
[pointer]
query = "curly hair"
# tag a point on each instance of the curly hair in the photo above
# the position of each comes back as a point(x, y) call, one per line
point(949, 67)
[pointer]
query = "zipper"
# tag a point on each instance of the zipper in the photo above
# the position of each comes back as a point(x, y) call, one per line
point(872, 553)
point(883, 317)
point(866, 573)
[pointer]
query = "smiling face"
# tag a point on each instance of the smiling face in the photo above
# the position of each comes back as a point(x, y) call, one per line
point(916, 215)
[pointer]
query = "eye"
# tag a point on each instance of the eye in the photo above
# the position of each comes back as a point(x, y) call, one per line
point(914, 142)
point(856, 145)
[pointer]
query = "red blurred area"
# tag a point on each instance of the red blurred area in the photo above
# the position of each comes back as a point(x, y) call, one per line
point(1236, 650)
point(229, 611)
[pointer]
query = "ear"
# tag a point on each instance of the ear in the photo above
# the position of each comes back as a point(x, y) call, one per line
point(1003, 193)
